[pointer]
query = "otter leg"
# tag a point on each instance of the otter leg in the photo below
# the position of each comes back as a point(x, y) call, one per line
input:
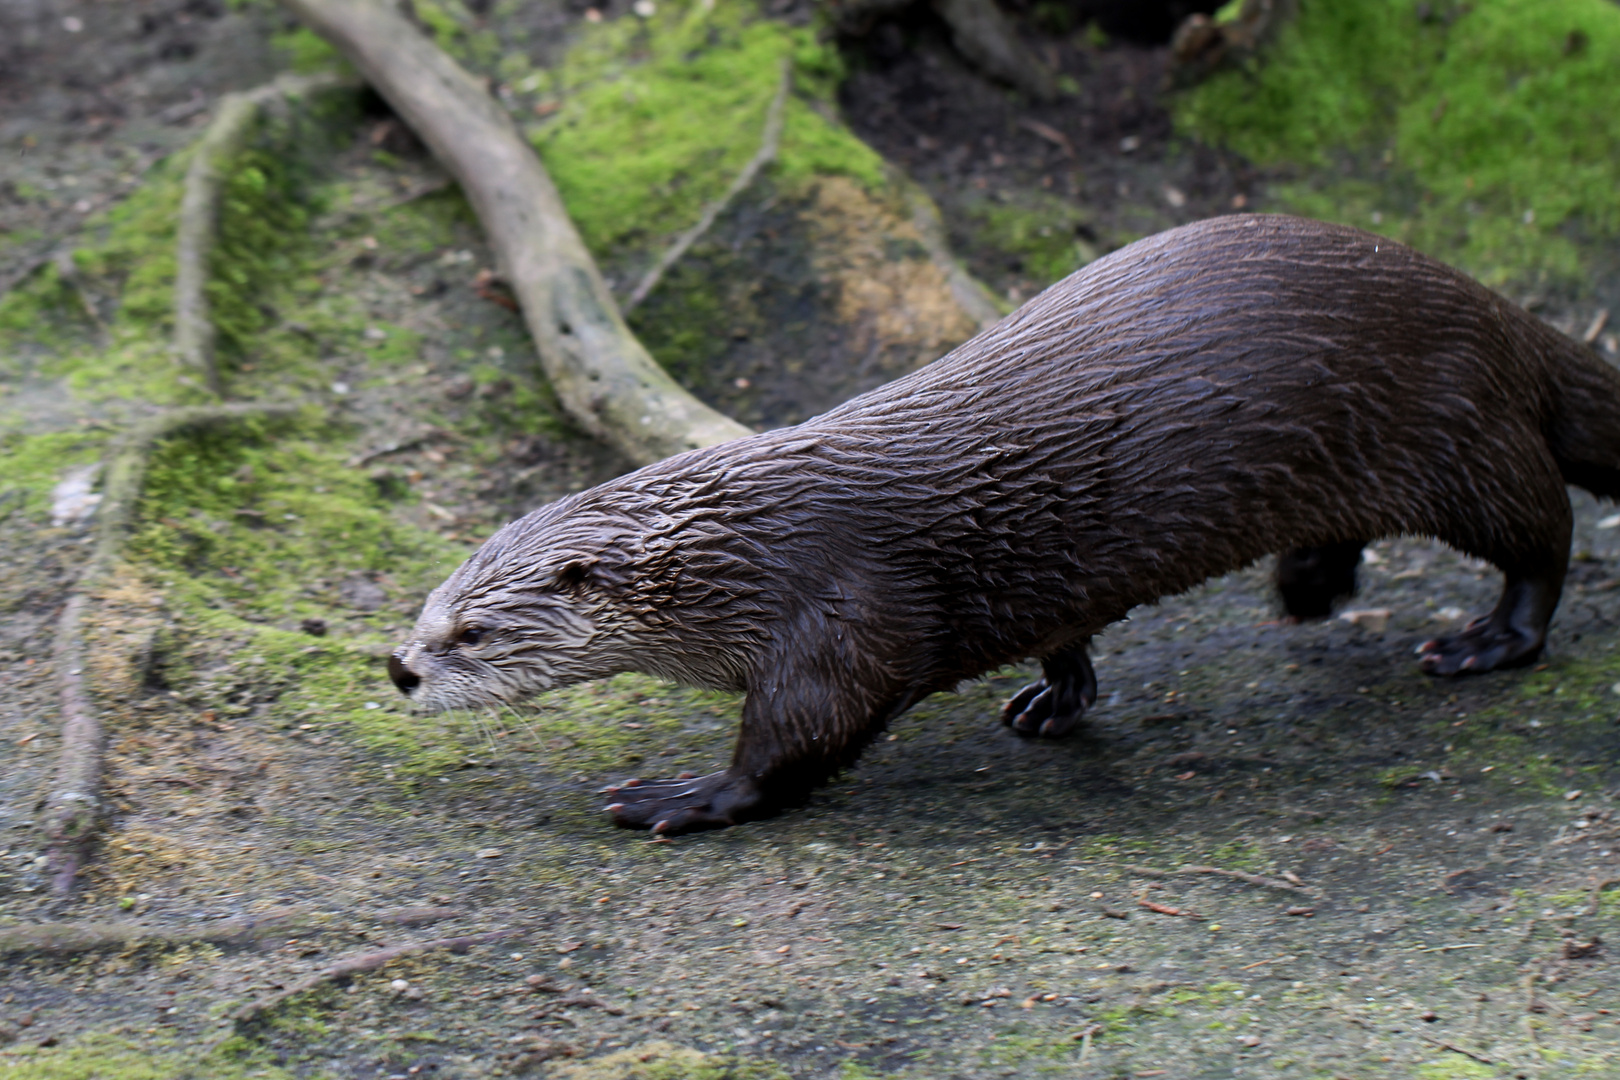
point(1053, 706)
point(1312, 580)
point(807, 716)
point(1512, 635)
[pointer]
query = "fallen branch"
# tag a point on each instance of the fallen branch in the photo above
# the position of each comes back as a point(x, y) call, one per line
point(1236, 875)
point(72, 811)
point(601, 373)
point(198, 228)
point(343, 970)
point(768, 146)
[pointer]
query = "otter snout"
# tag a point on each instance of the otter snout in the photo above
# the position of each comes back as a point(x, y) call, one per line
point(404, 678)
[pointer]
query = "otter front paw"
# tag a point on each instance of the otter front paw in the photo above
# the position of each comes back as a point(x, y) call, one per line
point(1486, 644)
point(686, 804)
point(1052, 707)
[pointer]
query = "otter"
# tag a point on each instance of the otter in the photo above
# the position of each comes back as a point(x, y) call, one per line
point(1171, 412)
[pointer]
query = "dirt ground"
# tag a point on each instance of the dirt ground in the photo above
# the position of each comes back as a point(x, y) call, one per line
point(1275, 851)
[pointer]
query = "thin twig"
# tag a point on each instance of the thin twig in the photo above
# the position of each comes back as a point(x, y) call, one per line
point(1597, 894)
point(766, 153)
point(359, 965)
point(72, 810)
point(1455, 1049)
point(1236, 875)
point(198, 228)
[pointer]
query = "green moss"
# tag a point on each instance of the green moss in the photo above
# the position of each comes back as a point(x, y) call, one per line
point(1496, 124)
point(42, 313)
point(659, 115)
point(1040, 233)
point(108, 1057)
point(264, 220)
point(254, 529)
point(305, 51)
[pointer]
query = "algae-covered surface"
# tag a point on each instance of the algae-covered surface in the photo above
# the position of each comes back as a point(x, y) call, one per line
point(1274, 851)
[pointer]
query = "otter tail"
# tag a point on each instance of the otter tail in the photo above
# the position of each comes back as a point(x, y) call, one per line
point(1584, 432)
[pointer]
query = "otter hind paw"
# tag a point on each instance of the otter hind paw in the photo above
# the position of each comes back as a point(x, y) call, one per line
point(1485, 644)
point(685, 804)
point(1052, 708)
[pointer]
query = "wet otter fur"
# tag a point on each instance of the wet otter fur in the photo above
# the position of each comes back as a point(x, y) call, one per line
point(1174, 411)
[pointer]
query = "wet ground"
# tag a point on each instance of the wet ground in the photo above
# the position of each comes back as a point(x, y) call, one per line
point(1430, 865)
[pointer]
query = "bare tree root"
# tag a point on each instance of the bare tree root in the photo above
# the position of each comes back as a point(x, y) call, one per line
point(72, 811)
point(199, 216)
point(979, 30)
point(344, 970)
point(970, 294)
point(71, 939)
point(600, 372)
point(768, 146)
point(982, 33)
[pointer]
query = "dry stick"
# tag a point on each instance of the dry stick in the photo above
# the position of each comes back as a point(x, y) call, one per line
point(199, 216)
point(359, 965)
point(766, 154)
point(601, 373)
point(73, 807)
point(1236, 875)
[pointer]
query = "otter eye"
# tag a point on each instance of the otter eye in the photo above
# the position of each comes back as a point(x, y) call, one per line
point(470, 636)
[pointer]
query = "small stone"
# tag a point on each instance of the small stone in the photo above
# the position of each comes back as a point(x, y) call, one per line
point(644, 8)
point(399, 986)
point(362, 594)
point(1249, 1040)
point(490, 853)
point(1571, 796)
point(1372, 620)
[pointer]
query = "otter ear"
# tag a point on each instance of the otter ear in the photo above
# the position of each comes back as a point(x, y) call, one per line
point(574, 573)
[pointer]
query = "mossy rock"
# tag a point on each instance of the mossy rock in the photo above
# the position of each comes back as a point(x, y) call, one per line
point(1487, 134)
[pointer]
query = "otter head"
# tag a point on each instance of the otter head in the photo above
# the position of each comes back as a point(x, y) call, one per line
point(540, 605)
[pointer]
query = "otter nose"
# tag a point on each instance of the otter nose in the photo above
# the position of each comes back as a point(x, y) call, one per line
point(404, 678)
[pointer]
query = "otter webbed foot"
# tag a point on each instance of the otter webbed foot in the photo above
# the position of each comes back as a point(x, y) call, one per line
point(1485, 644)
point(687, 803)
point(1512, 635)
point(1053, 707)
